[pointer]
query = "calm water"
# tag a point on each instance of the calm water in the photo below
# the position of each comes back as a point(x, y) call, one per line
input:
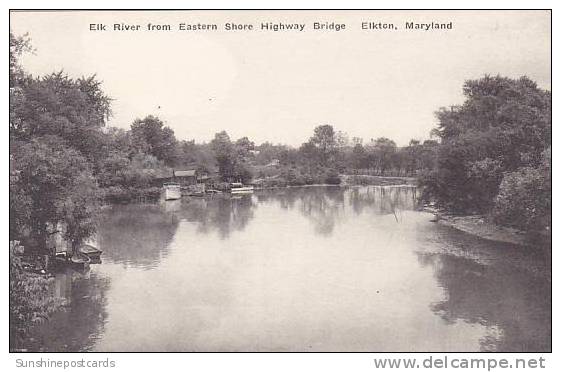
point(302, 269)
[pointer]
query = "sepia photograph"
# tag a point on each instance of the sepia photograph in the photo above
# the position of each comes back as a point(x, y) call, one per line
point(280, 181)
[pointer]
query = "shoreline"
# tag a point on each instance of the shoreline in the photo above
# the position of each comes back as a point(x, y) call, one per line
point(478, 225)
point(352, 180)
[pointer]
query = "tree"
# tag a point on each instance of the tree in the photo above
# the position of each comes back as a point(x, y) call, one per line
point(428, 155)
point(244, 147)
point(80, 210)
point(57, 186)
point(503, 125)
point(359, 157)
point(74, 110)
point(381, 154)
point(289, 156)
point(224, 152)
point(18, 46)
point(150, 136)
point(310, 155)
point(267, 152)
point(324, 140)
point(524, 197)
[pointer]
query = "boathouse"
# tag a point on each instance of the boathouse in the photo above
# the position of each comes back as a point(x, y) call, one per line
point(185, 177)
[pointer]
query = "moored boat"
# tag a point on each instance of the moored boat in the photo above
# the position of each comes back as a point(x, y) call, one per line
point(92, 252)
point(239, 188)
point(80, 261)
point(172, 191)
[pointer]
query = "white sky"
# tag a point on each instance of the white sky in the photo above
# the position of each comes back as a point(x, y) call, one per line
point(278, 86)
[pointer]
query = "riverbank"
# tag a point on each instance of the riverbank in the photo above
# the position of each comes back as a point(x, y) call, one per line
point(276, 182)
point(480, 226)
point(367, 180)
point(351, 180)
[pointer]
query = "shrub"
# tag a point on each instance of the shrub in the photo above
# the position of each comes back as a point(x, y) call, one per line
point(332, 178)
point(524, 199)
point(30, 300)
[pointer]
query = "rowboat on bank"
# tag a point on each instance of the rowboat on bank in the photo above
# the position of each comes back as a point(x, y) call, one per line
point(80, 261)
point(92, 252)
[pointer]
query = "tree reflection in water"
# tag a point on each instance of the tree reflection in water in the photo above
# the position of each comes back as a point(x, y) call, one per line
point(78, 326)
point(137, 235)
point(382, 200)
point(223, 213)
point(326, 206)
point(504, 288)
point(322, 209)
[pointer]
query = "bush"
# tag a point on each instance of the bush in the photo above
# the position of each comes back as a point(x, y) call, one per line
point(332, 179)
point(30, 301)
point(524, 199)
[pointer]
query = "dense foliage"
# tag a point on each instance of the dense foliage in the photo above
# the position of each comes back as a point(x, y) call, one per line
point(55, 142)
point(30, 302)
point(493, 153)
point(51, 184)
point(524, 198)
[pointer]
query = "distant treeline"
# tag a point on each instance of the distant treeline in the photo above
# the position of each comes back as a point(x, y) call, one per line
point(491, 154)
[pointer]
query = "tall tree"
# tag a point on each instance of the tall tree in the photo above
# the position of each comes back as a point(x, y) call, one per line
point(502, 125)
point(325, 141)
point(358, 157)
point(18, 46)
point(244, 147)
point(72, 109)
point(382, 152)
point(224, 152)
point(149, 135)
point(56, 186)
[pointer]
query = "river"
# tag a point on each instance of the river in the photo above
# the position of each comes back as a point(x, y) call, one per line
point(299, 269)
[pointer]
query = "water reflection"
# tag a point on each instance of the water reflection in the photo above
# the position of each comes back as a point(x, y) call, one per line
point(137, 235)
point(223, 213)
point(327, 207)
point(501, 287)
point(320, 269)
point(382, 200)
point(78, 326)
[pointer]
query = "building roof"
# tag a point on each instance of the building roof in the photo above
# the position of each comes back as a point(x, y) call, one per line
point(185, 173)
point(158, 174)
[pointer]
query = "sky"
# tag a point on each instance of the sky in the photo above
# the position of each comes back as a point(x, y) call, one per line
point(277, 86)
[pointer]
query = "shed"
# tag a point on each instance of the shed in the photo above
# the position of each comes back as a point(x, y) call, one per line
point(159, 176)
point(185, 177)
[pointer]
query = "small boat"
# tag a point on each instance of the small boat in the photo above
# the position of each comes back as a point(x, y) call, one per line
point(172, 191)
point(190, 191)
point(92, 252)
point(80, 261)
point(239, 188)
